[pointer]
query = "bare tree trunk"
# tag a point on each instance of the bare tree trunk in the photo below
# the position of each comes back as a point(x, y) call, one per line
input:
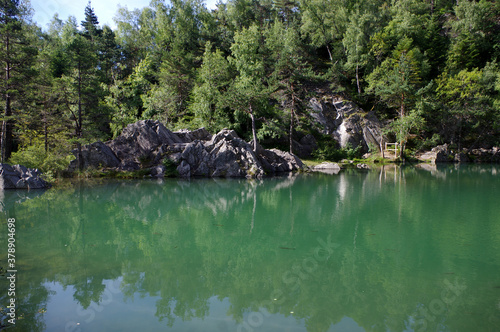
point(382, 147)
point(292, 113)
point(7, 131)
point(291, 130)
point(46, 136)
point(357, 78)
point(6, 138)
point(45, 126)
point(254, 132)
point(79, 124)
point(402, 115)
point(329, 52)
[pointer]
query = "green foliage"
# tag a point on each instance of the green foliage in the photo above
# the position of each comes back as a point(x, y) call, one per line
point(324, 22)
point(373, 148)
point(170, 168)
point(356, 41)
point(291, 71)
point(125, 97)
point(145, 160)
point(252, 66)
point(470, 100)
point(17, 56)
point(398, 78)
point(403, 127)
point(35, 156)
point(209, 95)
point(90, 173)
point(330, 151)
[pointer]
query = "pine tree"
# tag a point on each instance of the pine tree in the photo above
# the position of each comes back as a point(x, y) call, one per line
point(290, 69)
point(214, 78)
point(16, 57)
point(397, 81)
point(90, 24)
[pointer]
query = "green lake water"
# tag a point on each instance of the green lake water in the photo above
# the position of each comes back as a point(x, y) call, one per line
point(392, 249)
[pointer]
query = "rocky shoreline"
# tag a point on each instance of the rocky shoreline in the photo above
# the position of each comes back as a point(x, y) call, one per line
point(443, 154)
point(147, 144)
point(20, 177)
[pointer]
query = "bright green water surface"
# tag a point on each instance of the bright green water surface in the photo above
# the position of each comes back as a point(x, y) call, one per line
point(383, 250)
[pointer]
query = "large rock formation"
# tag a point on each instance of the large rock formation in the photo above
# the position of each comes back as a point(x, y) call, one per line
point(142, 143)
point(20, 177)
point(224, 155)
point(147, 143)
point(346, 123)
point(97, 154)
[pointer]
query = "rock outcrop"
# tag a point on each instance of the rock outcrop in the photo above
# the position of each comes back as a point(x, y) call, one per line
point(276, 161)
point(147, 143)
point(328, 168)
point(187, 136)
point(443, 154)
point(142, 143)
point(226, 155)
point(346, 123)
point(20, 177)
point(485, 155)
point(97, 154)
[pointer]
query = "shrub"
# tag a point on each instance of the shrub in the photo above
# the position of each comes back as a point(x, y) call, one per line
point(35, 156)
point(329, 151)
point(170, 168)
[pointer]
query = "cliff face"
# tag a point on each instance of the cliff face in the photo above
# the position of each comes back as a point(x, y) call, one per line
point(345, 122)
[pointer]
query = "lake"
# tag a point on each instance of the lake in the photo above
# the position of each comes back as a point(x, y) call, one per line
point(390, 249)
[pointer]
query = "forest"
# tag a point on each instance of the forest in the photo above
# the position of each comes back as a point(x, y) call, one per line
point(429, 69)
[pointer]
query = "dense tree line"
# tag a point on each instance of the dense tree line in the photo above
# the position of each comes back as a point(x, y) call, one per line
point(428, 67)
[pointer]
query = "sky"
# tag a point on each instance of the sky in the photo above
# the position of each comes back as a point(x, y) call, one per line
point(105, 10)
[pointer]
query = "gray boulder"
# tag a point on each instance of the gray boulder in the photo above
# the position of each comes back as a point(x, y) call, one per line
point(438, 154)
point(225, 155)
point(96, 155)
point(362, 166)
point(147, 144)
point(158, 171)
point(195, 160)
point(142, 141)
point(21, 177)
point(324, 115)
point(327, 167)
point(188, 136)
point(442, 155)
point(483, 155)
point(277, 161)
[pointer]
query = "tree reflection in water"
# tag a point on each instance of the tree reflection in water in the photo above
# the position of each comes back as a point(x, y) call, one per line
point(220, 250)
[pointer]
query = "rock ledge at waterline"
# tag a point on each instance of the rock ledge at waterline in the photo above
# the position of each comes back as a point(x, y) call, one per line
point(147, 143)
point(21, 177)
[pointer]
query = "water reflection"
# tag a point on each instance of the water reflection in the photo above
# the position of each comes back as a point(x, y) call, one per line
point(396, 249)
